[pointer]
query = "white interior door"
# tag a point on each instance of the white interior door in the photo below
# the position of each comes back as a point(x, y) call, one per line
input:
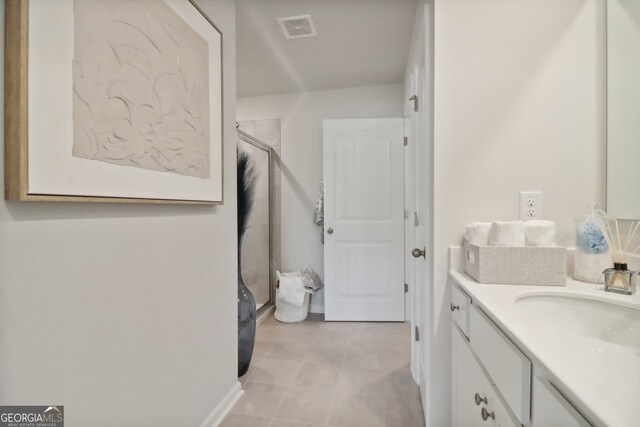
point(422, 238)
point(364, 219)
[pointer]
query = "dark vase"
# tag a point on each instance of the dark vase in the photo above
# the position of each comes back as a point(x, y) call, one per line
point(246, 318)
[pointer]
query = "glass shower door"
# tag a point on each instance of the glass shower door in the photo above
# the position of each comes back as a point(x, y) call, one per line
point(256, 248)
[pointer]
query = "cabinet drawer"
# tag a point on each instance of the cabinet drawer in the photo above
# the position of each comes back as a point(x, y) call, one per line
point(551, 409)
point(460, 303)
point(508, 368)
point(469, 380)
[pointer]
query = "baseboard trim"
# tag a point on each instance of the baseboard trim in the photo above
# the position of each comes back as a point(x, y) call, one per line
point(265, 315)
point(416, 366)
point(316, 308)
point(224, 407)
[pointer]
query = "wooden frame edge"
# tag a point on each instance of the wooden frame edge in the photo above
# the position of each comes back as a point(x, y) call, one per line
point(16, 111)
point(15, 99)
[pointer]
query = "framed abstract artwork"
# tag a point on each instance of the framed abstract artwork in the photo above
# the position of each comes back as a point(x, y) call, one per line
point(112, 101)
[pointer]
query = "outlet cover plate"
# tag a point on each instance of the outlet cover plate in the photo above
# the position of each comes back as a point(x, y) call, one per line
point(531, 205)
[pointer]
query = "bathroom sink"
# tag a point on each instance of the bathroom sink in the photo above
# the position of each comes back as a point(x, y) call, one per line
point(598, 319)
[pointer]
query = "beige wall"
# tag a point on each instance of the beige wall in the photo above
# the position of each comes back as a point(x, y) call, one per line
point(123, 311)
point(518, 106)
point(301, 117)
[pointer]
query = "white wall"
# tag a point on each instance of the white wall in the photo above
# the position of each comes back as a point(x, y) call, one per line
point(123, 311)
point(301, 115)
point(517, 106)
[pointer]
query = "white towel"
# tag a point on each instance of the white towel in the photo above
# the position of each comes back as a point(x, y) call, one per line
point(506, 233)
point(477, 233)
point(291, 288)
point(540, 233)
point(318, 213)
point(309, 277)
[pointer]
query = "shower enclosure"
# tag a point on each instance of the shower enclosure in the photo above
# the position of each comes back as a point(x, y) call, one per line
point(256, 249)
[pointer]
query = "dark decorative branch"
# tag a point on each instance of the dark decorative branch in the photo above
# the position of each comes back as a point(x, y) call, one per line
point(247, 176)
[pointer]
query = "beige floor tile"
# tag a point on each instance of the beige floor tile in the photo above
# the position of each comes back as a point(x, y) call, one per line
point(268, 332)
point(356, 380)
point(324, 354)
point(356, 410)
point(276, 371)
point(288, 423)
point(389, 328)
point(399, 384)
point(339, 326)
point(242, 420)
point(337, 374)
point(317, 375)
point(260, 399)
point(405, 412)
point(309, 323)
point(272, 321)
point(335, 338)
point(364, 357)
point(262, 347)
point(394, 359)
point(289, 351)
point(302, 335)
point(307, 405)
point(372, 339)
point(255, 362)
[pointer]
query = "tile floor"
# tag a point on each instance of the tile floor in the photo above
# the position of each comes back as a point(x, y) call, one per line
point(338, 374)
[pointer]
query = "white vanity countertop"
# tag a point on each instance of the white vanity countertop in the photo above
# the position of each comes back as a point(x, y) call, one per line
point(601, 379)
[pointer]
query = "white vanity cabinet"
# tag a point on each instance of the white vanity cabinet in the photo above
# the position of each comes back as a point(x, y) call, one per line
point(475, 400)
point(493, 382)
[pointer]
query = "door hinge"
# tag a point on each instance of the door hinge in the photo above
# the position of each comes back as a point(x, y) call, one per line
point(414, 98)
point(406, 288)
point(417, 334)
point(406, 214)
point(416, 219)
point(406, 141)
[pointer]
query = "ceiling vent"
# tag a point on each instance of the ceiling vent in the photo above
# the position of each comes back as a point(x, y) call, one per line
point(295, 27)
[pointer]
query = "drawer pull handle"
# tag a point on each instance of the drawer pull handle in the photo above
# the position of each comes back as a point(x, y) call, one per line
point(480, 400)
point(454, 307)
point(486, 414)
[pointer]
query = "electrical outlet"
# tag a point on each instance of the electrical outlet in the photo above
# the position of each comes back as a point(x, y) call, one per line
point(531, 205)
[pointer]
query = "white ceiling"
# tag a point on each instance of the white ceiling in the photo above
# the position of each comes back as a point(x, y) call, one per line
point(359, 42)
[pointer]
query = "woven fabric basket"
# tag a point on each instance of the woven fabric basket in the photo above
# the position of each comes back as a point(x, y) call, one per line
point(290, 313)
point(516, 265)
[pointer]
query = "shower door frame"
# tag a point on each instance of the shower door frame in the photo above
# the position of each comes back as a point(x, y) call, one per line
point(249, 139)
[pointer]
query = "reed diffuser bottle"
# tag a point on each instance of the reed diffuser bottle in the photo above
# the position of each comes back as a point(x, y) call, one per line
point(620, 279)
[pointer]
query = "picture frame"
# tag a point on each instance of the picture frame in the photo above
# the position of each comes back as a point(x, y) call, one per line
point(79, 129)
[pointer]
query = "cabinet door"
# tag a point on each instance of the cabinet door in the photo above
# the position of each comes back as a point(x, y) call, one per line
point(550, 408)
point(470, 379)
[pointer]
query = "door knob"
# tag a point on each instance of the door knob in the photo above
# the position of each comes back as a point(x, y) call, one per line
point(417, 253)
point(329, 230)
